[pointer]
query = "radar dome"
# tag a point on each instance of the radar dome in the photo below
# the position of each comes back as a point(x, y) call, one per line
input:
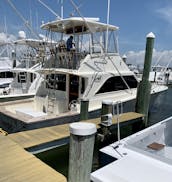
point(21, 35)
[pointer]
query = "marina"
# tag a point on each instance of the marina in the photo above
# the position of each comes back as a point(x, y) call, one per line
point(68, 77)
point(72, 108)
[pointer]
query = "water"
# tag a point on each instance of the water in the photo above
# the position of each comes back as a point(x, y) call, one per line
point(161, 108)
point(58, 158)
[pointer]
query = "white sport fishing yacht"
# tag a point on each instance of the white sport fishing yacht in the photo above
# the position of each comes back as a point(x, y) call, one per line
point(92, 70)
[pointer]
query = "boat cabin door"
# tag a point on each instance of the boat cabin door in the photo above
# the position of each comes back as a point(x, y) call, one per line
point(73, 88)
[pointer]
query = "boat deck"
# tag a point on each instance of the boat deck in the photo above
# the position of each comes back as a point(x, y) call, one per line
point(133, 168)
point(37, 137)
point(19, 165)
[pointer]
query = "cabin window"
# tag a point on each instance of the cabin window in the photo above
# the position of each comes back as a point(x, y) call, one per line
point(82, 85)
point(22, 77)
point(6, 74)
point(32, 77)
point(116, 83)
point(56, 81)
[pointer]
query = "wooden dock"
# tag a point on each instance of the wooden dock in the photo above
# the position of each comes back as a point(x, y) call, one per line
point(38, 137)
point(19, 165)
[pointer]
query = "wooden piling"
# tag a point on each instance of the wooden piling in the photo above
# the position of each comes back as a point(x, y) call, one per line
point(84, 109)
point(144, 87)
point(82, 136)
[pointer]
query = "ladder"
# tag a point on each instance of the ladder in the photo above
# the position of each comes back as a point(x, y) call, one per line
point(51, 103)
point(51, 99)
point(23, 80)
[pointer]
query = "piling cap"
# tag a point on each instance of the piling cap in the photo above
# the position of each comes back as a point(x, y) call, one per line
point(150, 35)
point(82, 128)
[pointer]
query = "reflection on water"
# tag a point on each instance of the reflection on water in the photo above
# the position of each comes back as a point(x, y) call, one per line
point(161, 108)
point(58, 158)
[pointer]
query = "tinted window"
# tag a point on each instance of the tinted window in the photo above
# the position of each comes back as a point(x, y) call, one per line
point(6, 74)
point(116, 83)
point(56, 81)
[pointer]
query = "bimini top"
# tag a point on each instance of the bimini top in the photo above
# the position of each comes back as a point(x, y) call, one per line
point(77, 25)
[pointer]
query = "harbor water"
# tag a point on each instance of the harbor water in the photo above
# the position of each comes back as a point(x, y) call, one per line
point(58, 158)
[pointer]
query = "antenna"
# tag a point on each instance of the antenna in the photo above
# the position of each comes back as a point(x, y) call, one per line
point(5, 30)
point(23, 19)
point(53, 12)
point(107, 31)
point(62, 9)
point(31, 17)
point(5, 25)
point(37, 24)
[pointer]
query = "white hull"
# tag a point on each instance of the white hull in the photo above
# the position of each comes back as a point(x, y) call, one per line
point(145, 156)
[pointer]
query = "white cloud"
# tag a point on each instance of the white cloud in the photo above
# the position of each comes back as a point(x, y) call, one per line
point(162, 58)
point(6, 38)
point(165, 13)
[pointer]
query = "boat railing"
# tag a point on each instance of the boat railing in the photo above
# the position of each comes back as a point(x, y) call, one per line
point(66, 59)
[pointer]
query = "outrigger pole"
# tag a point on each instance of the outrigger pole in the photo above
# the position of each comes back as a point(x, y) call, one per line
point(53, 12)
point(107, 31)
point(23, 19)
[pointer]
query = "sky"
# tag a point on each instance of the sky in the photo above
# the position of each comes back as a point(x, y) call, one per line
point(135, 19)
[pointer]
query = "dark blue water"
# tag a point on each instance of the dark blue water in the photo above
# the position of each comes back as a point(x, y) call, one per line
point(161, 108)
point(58, 158)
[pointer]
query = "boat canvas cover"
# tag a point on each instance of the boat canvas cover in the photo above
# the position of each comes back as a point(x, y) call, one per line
point(66, 25)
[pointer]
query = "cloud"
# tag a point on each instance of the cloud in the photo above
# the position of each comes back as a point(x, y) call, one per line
point(162, 58)
point(6, 38)
point(165, 13)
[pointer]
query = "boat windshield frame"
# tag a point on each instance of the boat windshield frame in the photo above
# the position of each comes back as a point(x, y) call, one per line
point(80, 28)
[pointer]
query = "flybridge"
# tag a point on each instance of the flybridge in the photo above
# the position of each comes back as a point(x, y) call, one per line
point(78, 25)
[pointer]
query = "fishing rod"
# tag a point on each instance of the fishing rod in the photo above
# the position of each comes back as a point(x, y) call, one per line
point(53, 12)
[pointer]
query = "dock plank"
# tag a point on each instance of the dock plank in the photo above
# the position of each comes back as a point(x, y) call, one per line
point(36, 137)
point(19, 165)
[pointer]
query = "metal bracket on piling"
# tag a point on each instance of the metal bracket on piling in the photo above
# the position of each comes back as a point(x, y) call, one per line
point(117, 110)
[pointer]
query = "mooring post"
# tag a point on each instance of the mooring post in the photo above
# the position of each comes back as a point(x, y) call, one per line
point(82, 136)
point(84, 109)
point(144, 87)
point(106, 107)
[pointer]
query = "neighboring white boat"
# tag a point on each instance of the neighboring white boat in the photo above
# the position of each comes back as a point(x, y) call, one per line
point(145, 156)
point(6, 74)
point(31, 58)
point(91, 70)
point(161, 75)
